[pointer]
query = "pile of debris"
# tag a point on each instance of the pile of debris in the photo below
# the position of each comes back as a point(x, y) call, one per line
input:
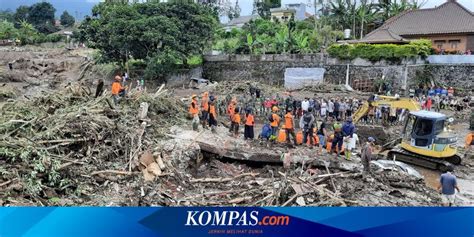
point(69, 148)
point(56, 145)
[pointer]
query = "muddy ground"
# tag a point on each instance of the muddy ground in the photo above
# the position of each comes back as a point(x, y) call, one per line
point(61, 146)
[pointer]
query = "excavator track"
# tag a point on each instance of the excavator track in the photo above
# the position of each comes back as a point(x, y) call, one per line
point(400, 154)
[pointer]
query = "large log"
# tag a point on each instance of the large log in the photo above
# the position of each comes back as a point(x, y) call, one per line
point(223, 145)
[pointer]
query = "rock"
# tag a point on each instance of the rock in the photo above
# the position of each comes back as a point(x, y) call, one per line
point(300, 201)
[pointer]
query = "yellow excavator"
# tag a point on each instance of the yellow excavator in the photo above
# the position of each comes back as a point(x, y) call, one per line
point(425, 140)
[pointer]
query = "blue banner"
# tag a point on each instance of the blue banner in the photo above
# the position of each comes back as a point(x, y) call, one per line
point(236, 221)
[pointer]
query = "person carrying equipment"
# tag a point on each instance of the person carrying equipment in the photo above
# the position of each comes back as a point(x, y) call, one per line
point(290, 127)
point(212, 115)
point(249, 124)
point(205, 109)
point(307, 125)
point(194, 112)
point(274, 120)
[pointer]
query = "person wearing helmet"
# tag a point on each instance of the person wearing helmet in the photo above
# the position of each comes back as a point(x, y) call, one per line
point(366, 154)
point(194, 112)
point(290, 127)
point(118, 90)
point(274, 120)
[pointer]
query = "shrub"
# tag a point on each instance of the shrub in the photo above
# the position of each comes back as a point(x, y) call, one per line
point(377, 52)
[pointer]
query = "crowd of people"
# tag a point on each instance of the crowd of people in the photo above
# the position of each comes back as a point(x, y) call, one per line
point(285, 120)
point(438, 98)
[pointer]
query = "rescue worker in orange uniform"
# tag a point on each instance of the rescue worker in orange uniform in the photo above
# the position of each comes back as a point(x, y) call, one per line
point(231, 108)
point(205, 109)
point(194, 112)
point(117, 89)
point(249, 124)
point(290, 127)
point(469, 141)
point(212, 114)
point(274, 120)
point(235, 122)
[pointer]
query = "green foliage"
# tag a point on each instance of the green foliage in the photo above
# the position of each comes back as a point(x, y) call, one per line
point(264, 6)
point(27, 33)
point(195, 60)
point(21, 15)
point(7, 30)
point(162, 34)
point(6, 15)
point(41, 15)
point(377, 52)
point(363, 16)
point(268, 37)
point(67, 20)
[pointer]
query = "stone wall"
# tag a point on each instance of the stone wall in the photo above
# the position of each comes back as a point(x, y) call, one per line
point(270, 69)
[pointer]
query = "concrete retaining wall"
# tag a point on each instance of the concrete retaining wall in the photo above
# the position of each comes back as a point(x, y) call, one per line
point(270, 69)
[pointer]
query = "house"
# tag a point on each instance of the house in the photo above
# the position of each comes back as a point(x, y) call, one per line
point(284, 13)
point(449, 26)
point(239, 22)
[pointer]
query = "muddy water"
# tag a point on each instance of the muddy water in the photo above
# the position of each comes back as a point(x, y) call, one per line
point(431, 176)
point(465, 198)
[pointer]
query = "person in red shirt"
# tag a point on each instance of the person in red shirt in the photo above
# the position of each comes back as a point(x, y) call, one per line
point(249, 124)
point(428, 103)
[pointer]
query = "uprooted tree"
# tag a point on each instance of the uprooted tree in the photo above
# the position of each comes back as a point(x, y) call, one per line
point(162, 34)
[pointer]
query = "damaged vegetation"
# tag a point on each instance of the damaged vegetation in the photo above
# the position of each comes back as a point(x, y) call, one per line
point(69, 148)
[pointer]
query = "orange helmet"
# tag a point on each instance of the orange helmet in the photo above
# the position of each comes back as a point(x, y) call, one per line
point(118, 78)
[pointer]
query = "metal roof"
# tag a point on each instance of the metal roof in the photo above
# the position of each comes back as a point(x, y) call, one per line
point(242, 20)
point(428, 114)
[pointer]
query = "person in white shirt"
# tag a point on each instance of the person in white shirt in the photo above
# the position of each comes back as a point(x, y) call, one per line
point(324, 107)
point(305, 104)
point(331, 108)
point(351, 143)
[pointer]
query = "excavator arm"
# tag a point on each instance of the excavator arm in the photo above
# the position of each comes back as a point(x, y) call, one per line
point(402, 103)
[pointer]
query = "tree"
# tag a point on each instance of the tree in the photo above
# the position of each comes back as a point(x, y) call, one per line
point(6, 15)
point(27, 33)
point(20, 15)
point(67, 20)
point(264, 6)
point(41, 16)
point(162, 34)
point(7, 30)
